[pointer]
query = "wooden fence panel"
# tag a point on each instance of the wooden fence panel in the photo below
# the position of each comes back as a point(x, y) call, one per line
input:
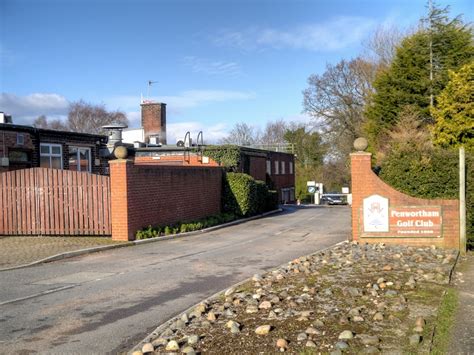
point(42, 201)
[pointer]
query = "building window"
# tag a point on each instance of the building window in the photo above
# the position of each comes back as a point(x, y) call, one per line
point(18, 156)
point(283, 168)
point(269, 167)
point(51, 156)
point(20, 139)
point(291, 167)
point(277, 167)
point(79, 159)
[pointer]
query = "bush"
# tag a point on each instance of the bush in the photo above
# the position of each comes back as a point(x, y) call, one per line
point(433, 174)
point(151, 232)
point(239, 194)
point(244, 196)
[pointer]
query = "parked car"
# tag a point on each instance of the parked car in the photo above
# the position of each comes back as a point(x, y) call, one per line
point(333, 200)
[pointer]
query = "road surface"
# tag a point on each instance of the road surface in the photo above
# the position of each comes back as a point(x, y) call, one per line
point(109, 301)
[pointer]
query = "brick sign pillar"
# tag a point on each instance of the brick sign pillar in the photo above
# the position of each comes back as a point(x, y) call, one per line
point(382, 214)
point(119, 200)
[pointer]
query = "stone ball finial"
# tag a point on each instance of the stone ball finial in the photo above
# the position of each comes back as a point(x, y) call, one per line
point(361, 144)
point(121, 152)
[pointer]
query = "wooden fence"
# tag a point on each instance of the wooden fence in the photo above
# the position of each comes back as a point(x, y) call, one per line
point(42, 201)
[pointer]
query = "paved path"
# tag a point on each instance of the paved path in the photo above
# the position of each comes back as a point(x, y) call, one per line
point(462, 335)
point(109, 301)
point(16, 251)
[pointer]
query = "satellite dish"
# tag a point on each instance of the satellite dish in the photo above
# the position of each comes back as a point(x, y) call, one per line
point(180, 144)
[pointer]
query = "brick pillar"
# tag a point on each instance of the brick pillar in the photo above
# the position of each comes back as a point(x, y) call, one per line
point(361, 173)
point(119, 176)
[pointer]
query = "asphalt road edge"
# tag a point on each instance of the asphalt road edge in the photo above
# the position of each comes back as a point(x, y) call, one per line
point(71, 254)
point(167, 323)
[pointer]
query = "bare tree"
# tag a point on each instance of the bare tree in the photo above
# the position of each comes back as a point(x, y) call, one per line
point(83, 117)
point(43, 122)
point(274, 133)
point(335, 100)
point(381, 46)
point(242, 134)
point(89, 118)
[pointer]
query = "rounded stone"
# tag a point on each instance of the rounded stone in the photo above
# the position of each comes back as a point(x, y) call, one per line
point(361, 144)
point(263, 330)
point(346, 334)
point(148, 348)
point(172, 345)
point(282, 343)
point(121, 152)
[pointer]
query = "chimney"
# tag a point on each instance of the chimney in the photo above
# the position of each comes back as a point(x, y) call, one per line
point(154, 120)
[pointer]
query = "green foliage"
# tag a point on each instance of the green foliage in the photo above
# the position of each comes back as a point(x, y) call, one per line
point(152, 232)
point(239, 194)
point(244, 196)
point(431, 174)
point(225, 155)
point(309, 155)
point(407, 80)
point(454, 112)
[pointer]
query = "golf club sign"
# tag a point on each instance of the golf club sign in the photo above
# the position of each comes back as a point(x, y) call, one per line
point(382, 220)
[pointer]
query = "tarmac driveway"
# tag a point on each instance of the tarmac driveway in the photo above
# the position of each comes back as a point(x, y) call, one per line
point(108, 301)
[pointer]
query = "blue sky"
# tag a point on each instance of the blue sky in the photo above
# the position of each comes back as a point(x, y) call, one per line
point(216, 62)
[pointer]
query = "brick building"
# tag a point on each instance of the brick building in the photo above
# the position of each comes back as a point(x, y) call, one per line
point(275, 168)
point(24, 147)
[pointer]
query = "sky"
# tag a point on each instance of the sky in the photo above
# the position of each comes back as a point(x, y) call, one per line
point(215, 62)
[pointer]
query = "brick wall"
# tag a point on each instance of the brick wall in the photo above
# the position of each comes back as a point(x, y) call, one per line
point(160, 195)
point(282, 180)
point(365, 183)
point(9, 145)
point(154, 120)
point(174, 159)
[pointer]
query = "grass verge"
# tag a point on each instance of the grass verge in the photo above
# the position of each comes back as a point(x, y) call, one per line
point(444, 322)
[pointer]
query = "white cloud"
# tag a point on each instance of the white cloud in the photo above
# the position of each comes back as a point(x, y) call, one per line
point(200, 65)
point(334, 34)
point(26, 108)
point(185, 100)
point(177, 131)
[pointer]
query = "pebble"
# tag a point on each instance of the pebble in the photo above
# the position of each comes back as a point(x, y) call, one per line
point(378, 316)
point(310, 344)
point(172, 345)
point(301, 337)
point(342, 345)
point(367, 339)
point(148, 348)
point(282, 344)
point(312, 331)
point(137, 352)
point(251, 309)
point(193, 339)
point(263, 329)
point(211, 317)
point(415, 339)
point(345, 335)
point(265, 305)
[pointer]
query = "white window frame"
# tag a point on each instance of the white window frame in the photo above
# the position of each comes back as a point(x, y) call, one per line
point(291, 167)
point(269, 167)
point(283, 168)
point(277, 167)
point(51, 154)
point(89, 170)
point(20, 139)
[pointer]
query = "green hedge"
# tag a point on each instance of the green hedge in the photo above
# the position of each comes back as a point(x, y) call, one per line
point(176, 228)
point(433, 175)
point(245, 196)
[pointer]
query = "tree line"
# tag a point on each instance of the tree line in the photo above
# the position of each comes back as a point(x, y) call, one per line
point(408, 91)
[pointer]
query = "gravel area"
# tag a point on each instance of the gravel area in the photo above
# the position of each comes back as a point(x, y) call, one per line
point(349, 299)
point(16, 251)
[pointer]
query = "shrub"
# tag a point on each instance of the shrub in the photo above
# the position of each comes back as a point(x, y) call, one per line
point(261, 196)
point(151, 232)
point(239, 194)
point(271, 201)
point(431, 174)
